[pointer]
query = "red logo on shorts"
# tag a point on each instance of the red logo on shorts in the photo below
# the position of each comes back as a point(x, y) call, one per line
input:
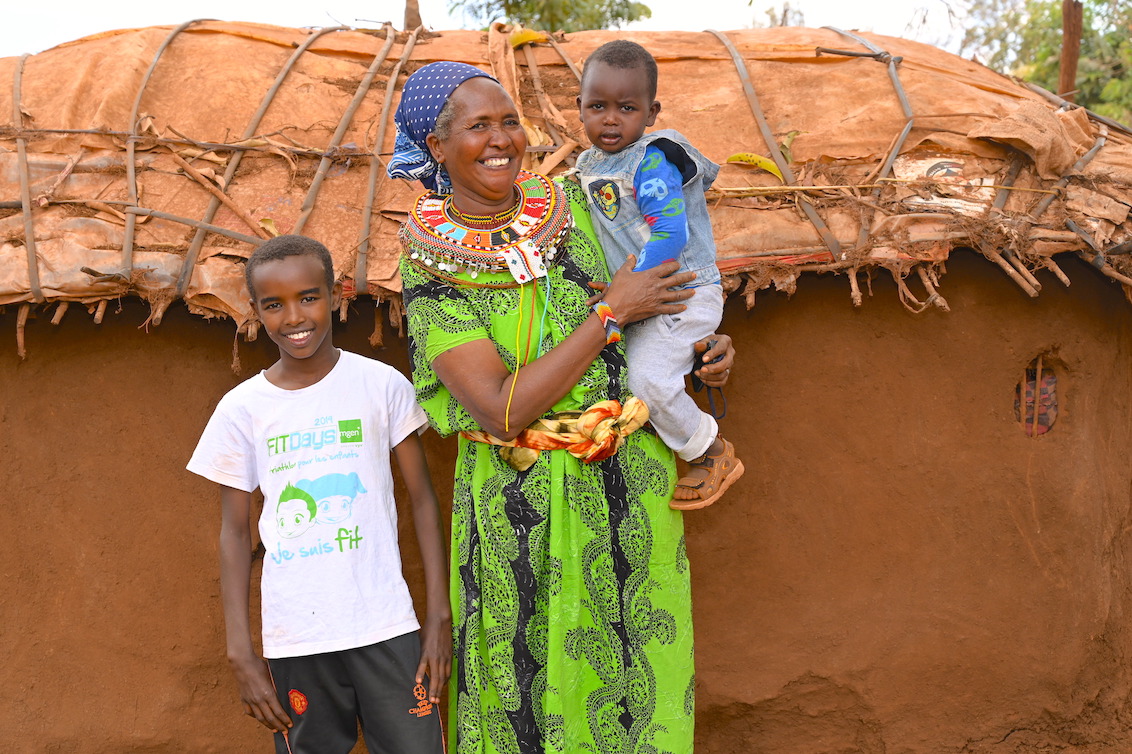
point(424, 706)
point(298, 701)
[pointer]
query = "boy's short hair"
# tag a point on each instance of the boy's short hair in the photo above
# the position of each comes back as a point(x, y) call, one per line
point(282, 247)
point(621, 53)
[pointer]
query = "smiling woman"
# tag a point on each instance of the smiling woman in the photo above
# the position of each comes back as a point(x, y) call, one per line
point(480, 147)
point(570, 585)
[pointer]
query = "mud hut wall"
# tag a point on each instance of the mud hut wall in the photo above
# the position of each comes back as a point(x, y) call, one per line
point(906, 569)
point(114, 630)
point(901, 568)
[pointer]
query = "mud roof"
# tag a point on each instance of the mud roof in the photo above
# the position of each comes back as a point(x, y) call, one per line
point(150, 162)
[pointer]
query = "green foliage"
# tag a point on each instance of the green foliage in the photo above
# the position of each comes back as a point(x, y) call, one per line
point(556, 15)
point(1023, 38)
point(786, 17)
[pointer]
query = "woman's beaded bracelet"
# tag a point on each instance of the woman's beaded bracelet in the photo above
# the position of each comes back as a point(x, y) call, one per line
point(608, 321)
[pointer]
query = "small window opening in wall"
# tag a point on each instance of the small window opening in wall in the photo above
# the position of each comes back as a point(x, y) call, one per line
point(1035, 398)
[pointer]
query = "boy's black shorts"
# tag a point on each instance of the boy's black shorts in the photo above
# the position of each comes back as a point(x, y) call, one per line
point(326, 694)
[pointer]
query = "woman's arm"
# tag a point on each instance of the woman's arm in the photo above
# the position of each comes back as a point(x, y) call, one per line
point(477, 377)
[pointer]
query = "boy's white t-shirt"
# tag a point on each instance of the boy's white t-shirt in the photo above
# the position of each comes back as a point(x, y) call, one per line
point(333, 580)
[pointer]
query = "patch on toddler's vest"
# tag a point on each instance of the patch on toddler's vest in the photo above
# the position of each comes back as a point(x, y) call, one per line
point(298, 701)
point(606, 197)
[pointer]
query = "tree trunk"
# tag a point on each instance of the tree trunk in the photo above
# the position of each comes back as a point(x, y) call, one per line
point(412, 14)
point(1072, 13)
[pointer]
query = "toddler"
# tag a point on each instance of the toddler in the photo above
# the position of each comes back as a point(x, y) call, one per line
point(646, 197)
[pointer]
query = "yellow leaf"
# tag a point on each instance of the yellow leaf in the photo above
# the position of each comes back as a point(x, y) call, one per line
point(536, 137)
point(522, 36)
point(268, 224)
point(193, 153)
point(787, 140)
point(756, 160)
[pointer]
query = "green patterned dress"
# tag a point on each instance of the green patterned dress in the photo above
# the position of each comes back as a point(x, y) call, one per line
point(570, 585)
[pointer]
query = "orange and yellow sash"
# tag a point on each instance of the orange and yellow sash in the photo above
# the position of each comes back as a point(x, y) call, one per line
point(591, 435)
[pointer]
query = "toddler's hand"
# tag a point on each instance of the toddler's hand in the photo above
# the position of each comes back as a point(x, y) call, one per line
point(717, 374)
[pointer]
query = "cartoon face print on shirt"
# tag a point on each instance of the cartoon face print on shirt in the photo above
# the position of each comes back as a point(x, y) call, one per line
point(334, 495)
point(295, 512)
point(653, 188)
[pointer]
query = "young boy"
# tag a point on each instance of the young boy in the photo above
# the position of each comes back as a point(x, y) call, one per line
point(339, 632)
point(646, 195)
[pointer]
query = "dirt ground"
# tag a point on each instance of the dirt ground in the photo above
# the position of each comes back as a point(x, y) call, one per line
point(902, 569)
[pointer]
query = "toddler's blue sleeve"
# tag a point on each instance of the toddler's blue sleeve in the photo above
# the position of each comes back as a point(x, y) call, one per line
point(660, 197)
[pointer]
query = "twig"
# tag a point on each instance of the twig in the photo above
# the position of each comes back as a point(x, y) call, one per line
point(194, 223)
point(207, 146)
point(933, 294)
point(1106, 269)
point(854, 287)
point(1025, 273)
point(1037, 396)
point(565, 58)
point(44, 197)
point(906, 295)
point(21, 323)
point(554, 160)
point(551, 117)
point(995, 257)
point(1022, 400)
point(60, 310)
point(1052, 267)
point(224, 198)
point(741, 191)
point(377, 337)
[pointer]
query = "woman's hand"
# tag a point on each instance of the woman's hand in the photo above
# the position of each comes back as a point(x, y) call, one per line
point(717, 374)
point(600, 288)
point(634, 296)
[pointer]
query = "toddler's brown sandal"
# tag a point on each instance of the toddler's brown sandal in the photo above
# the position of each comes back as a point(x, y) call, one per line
point(723, 469)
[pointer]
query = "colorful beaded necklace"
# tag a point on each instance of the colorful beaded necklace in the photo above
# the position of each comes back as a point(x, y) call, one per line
point(522, 241)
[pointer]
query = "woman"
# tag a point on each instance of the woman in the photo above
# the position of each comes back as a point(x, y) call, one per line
point(570, 586)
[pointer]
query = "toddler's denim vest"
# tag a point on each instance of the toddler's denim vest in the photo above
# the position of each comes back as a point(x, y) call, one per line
point(607, 180)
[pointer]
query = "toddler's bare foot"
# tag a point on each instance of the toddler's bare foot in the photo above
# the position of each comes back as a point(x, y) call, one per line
point(708, 478)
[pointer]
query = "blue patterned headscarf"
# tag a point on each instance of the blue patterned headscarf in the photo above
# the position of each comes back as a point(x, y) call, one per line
point(422, 99)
